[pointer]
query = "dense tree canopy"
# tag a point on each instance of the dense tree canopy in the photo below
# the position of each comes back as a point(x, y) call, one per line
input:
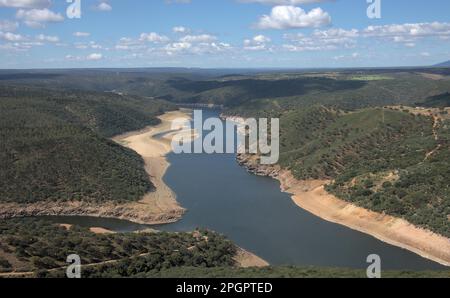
point(55, 145)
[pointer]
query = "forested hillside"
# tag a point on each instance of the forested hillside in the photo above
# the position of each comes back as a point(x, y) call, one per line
point(55, 145)
point(386, 160)
point(417, 190)
point(322, 143)
point(360, 90)
point(39, 249)
point(247, 91)
point(232, 92)
point(28, 245)
point(438, 101)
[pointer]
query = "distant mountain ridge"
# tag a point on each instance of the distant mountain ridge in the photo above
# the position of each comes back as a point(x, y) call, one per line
point(443, 64)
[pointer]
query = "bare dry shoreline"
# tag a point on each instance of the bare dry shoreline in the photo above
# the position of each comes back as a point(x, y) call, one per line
point(311, 196)
point(246, 259)
point(158, 207)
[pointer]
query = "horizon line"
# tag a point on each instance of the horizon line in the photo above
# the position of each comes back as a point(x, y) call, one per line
point(226, 68)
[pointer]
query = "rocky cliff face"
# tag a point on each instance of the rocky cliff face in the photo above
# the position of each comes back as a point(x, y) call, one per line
point(288, 183)
point(135, 212)
point(251, 163)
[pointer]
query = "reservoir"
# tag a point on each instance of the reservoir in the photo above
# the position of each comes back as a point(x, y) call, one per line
point(253, 212)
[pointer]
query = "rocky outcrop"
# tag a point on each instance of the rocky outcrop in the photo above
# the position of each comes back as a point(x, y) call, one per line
point(251, 163)
point(134, 212)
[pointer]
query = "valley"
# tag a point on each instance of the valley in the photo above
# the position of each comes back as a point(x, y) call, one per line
point(369, 149)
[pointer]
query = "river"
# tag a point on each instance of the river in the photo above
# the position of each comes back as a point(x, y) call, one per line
point(254, 213)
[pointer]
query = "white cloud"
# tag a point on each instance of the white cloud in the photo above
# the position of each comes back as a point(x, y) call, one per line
point(94, 45)
point(321, 40)
point(291, 17)
point(257, 43)
point(157, 44)
point(81, 46)
point(94, 57)
point(180, 29)
point(8, 26)
point(336, 34)
point(20, 46)
point(284, 2)
point(201, 48)
point(81, 34)
point(153, 37)
point(18, 42)
point(129, 44)
point(417, 30)
point(87, 45)
point(42, 37)
point(409, 34)
point(91, 57)
point(37, 18)
point(353, 56)
point(178, 47)
point(25, 3)
point(71, 57)
point(261, 39)
point(198, 38)
point(103, 6)
point(8, 36)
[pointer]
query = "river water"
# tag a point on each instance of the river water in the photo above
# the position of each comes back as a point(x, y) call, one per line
point(254, 213)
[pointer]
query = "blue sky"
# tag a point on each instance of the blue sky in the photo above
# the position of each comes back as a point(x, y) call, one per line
point(223, 33)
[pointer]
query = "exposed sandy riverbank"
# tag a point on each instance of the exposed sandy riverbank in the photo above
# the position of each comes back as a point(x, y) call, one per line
point(158, 207)
point(95, 230)
point(312, 196)
point(154, 150)
point(246, 259)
